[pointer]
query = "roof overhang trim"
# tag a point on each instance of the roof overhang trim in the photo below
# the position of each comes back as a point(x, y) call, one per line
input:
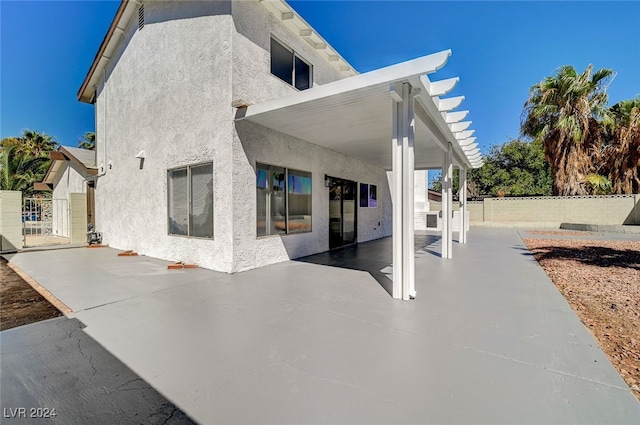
point(353, 115)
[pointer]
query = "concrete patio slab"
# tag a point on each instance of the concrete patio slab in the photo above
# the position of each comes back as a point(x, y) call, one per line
point(85, 278)
point(489, 339)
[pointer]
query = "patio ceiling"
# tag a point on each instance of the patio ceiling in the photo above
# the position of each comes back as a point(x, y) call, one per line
point(353, 116)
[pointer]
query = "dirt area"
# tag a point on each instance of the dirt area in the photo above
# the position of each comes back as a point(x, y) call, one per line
point(20, 304)
point(601, 282)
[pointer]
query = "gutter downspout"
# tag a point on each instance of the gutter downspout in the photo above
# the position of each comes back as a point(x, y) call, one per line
point(104, 91)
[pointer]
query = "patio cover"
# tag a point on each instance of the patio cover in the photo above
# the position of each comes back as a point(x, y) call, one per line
point(352, 116)
point(392, 118)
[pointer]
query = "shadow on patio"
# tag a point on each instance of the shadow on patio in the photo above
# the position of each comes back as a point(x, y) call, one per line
point(374, 257)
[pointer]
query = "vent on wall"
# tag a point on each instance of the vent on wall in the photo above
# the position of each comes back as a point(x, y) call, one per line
point(141, 17)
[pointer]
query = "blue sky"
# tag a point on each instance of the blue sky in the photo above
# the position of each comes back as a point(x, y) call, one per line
point(499, 50)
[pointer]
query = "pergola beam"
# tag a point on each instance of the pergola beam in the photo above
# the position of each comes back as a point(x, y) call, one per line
point(453, 117)
point(459, 126)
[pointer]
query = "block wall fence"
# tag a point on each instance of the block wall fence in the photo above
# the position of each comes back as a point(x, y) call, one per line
point(551, 211)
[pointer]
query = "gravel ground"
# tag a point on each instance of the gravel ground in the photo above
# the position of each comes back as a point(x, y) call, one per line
point(601, 282)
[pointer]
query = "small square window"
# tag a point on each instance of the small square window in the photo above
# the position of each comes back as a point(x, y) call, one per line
point(289, 67)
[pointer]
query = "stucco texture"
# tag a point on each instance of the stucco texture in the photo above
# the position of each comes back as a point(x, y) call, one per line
point(252, 79)
point(254, 143)
point(167, 93)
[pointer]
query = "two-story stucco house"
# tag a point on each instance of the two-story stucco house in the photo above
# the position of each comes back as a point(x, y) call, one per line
point(232, 135)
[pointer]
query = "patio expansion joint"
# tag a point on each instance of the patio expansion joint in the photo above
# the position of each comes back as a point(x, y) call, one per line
point(522, 362)
point(138, 296)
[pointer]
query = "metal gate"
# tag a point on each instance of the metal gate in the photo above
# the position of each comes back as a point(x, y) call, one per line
point(45, 222)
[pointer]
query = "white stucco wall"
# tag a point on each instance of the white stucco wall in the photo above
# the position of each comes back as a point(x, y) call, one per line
point(168, 93)
point(254, 143)
point(252, 78)
point(69, 180)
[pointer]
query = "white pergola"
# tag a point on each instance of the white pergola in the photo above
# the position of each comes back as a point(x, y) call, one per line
point(393, 118)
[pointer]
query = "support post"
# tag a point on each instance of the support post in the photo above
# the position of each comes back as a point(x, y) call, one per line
point(447, 202)
point(403, 196)
point(463, 204)
point(450, 201)
point(396, 112)
point(445, 208)
point(408, 166)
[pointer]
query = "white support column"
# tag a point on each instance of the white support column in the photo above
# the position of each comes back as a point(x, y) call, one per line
point(450, 201)
point(408, 166)
point(396, 112)
point(445, 207)
point(463, 204)
point(447, 204)
point(403, 196)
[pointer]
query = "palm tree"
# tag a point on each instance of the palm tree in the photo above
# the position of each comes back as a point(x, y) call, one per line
point(565, 112)
point(38, 144)
point(18, 171)
point(621, 155)
point(88, 141)
point(24, 160)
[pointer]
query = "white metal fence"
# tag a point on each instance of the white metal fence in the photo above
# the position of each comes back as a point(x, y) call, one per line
point(45, 222)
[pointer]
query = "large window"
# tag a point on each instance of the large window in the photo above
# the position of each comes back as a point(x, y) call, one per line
point(289, 67)
point(283, 199)
point(190, 199)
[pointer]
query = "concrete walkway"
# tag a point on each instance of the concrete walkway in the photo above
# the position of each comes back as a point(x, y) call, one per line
point(488, 340)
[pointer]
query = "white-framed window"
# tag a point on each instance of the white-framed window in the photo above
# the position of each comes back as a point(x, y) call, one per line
point(283, 200)
point(190, 200)
point(290, 67)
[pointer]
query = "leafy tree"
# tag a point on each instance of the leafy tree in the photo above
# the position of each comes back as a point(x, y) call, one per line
point(517, 168)
point(436, 182)
point(24, 160)
point(88, 141)
point(565, 113)
point(620, 157)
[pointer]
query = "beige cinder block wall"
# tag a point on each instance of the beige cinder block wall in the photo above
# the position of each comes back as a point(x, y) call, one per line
point(553, 210)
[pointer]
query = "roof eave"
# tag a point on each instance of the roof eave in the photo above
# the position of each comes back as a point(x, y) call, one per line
point(85, 95)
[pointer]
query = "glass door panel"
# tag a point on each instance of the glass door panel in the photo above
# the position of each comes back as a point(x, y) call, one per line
point(342, 213)
point(335, 216)
point(349, 200)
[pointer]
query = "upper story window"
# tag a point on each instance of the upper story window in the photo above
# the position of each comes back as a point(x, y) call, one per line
point(289, 67)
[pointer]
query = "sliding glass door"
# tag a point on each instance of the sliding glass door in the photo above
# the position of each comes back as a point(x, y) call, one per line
point(342, 212)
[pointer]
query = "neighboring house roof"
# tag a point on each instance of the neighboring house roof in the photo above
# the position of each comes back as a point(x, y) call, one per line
point(85, 156)
point(84, 159)
point(278, 8)
point(434, 195)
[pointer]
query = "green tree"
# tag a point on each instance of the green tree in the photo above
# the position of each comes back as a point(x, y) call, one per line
point(87, 141)
point(565, 113)
point(24, 160)
point(517, 168)
point(619, 159)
